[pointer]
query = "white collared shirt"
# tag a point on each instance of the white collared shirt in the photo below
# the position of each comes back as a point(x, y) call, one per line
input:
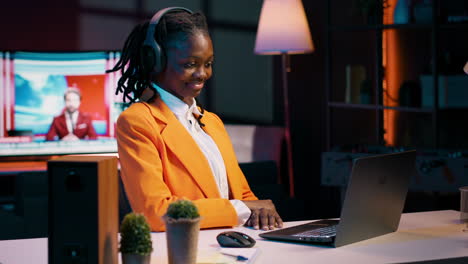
point(185, 114)
point(71, 120)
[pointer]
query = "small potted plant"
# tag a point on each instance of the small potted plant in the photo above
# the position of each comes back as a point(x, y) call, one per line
point(182, 227)
point(135, 239)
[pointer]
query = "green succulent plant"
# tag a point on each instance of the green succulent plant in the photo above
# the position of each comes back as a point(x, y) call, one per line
point(182, 209)
point(135, 235)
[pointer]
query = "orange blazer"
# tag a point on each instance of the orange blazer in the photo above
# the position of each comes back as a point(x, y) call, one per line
point(161, 163)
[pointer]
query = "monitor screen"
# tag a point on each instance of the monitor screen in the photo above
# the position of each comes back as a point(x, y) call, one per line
point(32, 95)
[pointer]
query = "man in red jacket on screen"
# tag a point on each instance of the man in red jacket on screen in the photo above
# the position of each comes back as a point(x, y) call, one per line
point(72, 124)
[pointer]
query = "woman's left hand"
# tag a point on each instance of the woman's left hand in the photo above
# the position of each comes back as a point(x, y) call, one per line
point(263, 215)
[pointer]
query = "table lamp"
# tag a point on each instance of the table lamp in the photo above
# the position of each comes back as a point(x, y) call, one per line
point(282, 30)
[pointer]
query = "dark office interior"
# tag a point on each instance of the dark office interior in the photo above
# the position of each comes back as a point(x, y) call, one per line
point(393, 107)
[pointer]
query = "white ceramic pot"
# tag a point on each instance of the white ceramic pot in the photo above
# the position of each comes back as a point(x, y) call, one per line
point(182, 240)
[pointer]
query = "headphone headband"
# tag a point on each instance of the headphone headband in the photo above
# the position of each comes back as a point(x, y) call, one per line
point(156, 17)
point(151, 53)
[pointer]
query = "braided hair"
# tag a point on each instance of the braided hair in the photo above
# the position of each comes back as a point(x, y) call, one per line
point(173, 26)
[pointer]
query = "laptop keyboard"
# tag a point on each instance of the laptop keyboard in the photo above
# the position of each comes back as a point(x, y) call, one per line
point(319, 232)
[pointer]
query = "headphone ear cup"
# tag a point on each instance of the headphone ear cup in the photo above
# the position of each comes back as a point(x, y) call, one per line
point(152, 56)
point(147, 58)
point(159, 58)
point(163, 61)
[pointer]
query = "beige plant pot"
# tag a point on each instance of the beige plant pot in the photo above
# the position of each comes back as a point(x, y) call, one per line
point(135, 259)
point(182, 240)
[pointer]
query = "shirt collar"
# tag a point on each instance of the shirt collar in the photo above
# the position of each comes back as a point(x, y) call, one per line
point(177, 106)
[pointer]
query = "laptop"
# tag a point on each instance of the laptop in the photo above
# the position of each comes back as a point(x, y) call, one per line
point(372, 207)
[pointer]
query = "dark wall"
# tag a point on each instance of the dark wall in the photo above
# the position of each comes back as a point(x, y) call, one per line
point(38, 25)
point(307, 102)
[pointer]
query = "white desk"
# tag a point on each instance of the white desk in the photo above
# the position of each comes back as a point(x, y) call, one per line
point(421, 236)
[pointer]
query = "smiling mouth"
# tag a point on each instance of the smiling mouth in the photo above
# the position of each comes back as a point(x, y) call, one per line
point(196, 85)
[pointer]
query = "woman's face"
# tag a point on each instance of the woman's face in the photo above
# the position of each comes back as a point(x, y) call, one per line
point(189, 66)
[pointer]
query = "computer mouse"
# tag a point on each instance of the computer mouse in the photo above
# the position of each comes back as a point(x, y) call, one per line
point(235, 239)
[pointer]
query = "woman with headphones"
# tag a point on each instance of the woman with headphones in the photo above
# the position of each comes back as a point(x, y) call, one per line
point(169, 147)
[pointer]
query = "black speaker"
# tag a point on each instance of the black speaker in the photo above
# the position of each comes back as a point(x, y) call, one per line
point(151, 54)
point(83, 210)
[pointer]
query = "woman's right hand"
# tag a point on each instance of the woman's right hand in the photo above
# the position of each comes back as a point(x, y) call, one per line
point(264, 215)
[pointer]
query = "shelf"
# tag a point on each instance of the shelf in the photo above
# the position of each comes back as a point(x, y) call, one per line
point(380, 107)
point(394, 60)
point(380, 27)
point(7, 168)
point(417, 26)
point(454, 26)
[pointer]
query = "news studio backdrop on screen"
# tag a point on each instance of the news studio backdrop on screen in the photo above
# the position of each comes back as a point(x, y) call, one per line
point(32, 86)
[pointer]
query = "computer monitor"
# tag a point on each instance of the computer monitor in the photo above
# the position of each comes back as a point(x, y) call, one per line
point(32, 86)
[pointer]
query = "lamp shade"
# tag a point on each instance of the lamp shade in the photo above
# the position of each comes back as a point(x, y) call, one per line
point(283, 28)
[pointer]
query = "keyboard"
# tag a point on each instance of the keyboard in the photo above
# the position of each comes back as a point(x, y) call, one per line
point(319, 232)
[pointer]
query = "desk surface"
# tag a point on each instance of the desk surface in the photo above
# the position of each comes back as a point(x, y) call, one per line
point(420, 236)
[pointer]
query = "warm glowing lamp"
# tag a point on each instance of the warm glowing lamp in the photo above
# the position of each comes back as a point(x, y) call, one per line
point(283, 29)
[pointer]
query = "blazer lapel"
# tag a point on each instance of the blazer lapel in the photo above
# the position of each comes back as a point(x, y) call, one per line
point(219, 136)
point(63, 124)
point(179, 141)
point(79, 120)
